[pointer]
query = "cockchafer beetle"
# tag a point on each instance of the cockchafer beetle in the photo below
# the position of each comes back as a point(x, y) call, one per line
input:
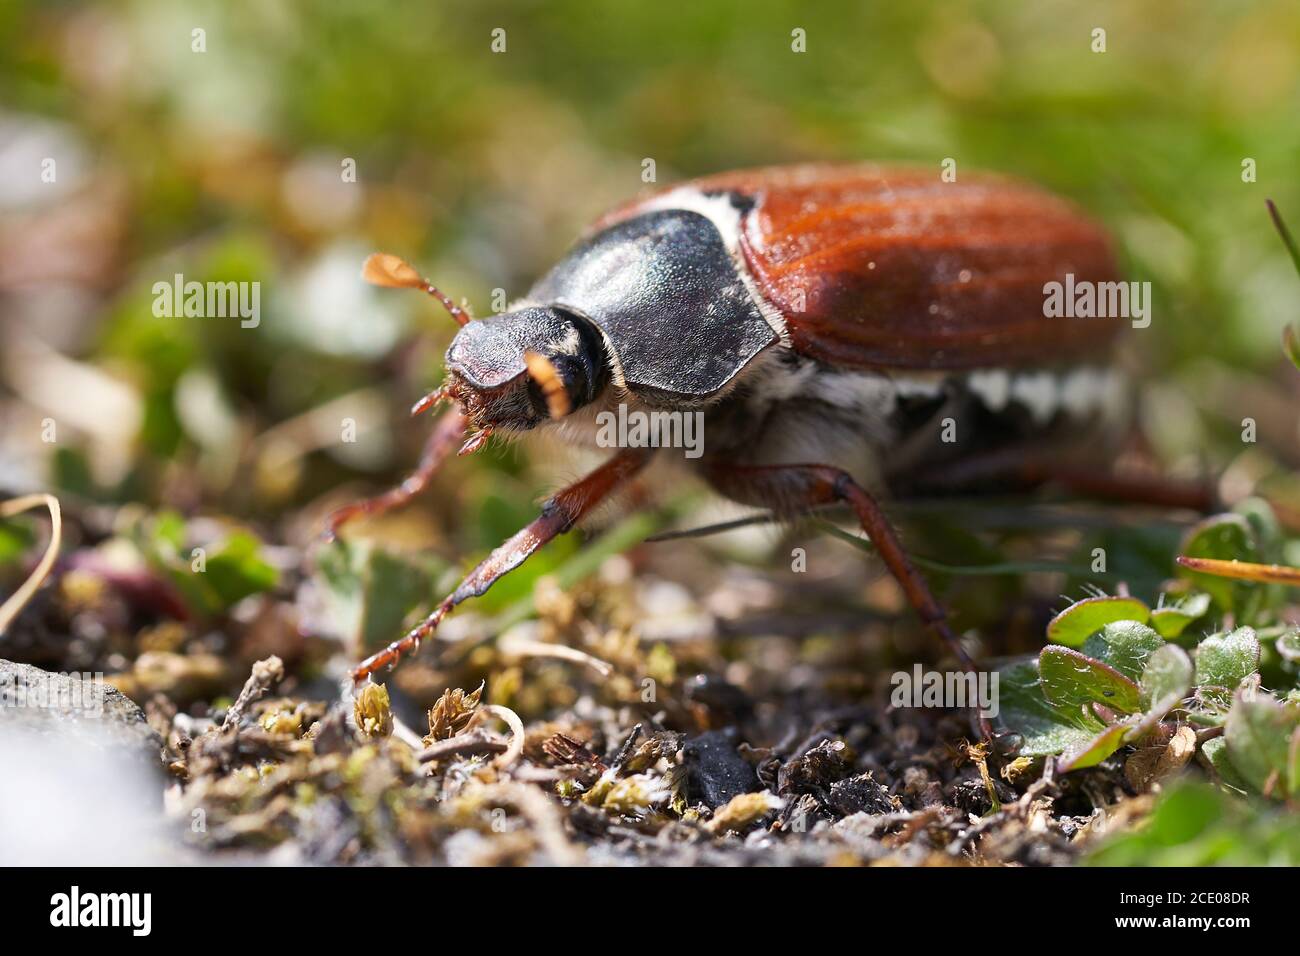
point(824, 318)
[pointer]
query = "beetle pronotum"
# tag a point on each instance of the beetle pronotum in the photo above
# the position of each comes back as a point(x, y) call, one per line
point(824, 318)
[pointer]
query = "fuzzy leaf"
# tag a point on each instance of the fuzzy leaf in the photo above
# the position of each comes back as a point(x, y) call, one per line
point(1044, 728)
point(1074, 681)
point(1127, 731)
point(1215, 751)
point(1263, 738)
point(1125, 646)
point(1288, 645)
point(1171, 620)
point(1194, 824)
point(1096, 750)
point(1073, 626)
point(1224, 660)
point(1168, 674)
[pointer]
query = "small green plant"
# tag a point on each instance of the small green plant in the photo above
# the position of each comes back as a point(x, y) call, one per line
point(1194, 824)
point(1118, 673)
point(209, 576)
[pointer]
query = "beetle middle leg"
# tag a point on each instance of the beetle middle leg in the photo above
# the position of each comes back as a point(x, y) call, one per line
point(559, 514)
point(792, 488)
point(442, 441)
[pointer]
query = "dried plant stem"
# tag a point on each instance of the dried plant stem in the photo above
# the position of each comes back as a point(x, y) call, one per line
point(265, 675)
point(18, 600)
point(464, 745)
point(407, 736)
point(558, 651)
point(547, 824)
point(516, 748)
point(1243, 570)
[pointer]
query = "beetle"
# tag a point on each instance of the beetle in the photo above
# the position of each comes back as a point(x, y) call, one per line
point(828, 321)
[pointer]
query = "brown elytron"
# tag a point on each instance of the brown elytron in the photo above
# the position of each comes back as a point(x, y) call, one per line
point(882, 267)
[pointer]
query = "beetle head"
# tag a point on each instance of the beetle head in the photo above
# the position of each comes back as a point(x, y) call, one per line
point(510, 372)
point(517, 370)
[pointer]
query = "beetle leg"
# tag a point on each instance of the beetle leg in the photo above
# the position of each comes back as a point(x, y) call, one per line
point(801, 487)
point(442, 441)
point(560, 513)
point(1154, 490)
point(1030, 468)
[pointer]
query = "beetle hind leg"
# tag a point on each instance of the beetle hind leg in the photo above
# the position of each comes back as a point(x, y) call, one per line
point(793, 488)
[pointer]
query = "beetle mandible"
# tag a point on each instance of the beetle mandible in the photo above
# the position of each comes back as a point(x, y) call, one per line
point(826, 319)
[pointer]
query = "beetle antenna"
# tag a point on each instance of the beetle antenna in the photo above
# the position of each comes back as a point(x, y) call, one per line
point(393, 272)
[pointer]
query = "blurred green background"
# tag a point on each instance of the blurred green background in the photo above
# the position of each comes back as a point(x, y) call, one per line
point(481, 166)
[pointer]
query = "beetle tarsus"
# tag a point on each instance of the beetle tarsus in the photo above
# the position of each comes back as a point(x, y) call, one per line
point(389, 657)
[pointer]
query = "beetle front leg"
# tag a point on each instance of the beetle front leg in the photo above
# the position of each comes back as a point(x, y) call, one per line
point(442, 441)
point(793, 488)
point(560, 513)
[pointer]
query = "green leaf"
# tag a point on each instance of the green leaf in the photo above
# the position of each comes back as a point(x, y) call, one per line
point(1023, 709)
point(1261, 517)
point(1181, 816)
point(1195, 824)
point(15, 541)
point(1096, 750)
point(1073, 626)
point(1115, 736)
point(1074, 681)
point(1224, 660)
point(168, 531)
point(1125, 646)
point(1167, 675)
point(237, 570)
point(1225, 537)
point(211, 582)
point(370, 592)
point(1288, 645)
point(1215, 750)
point(1171, 620)
point(1263, 743)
